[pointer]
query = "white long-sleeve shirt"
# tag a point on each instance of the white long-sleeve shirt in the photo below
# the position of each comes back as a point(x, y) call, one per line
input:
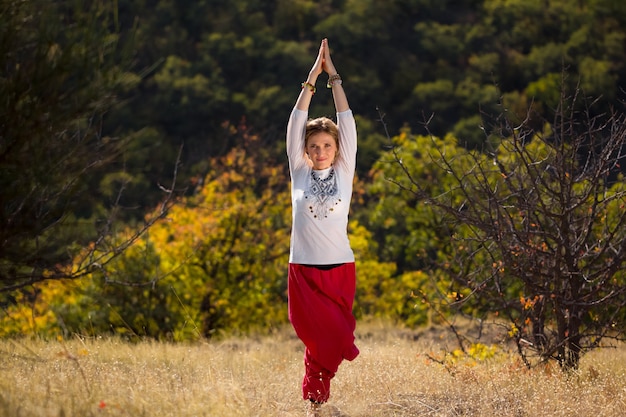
point(320, 199)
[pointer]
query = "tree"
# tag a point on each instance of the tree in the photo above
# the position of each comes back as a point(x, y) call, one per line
point(218, 263)
point(63, 65)
point(538, 228)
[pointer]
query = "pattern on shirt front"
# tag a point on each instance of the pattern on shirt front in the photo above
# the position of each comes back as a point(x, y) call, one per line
point(322, 194)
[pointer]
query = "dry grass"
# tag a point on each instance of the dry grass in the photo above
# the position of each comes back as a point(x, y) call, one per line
point(261, 377)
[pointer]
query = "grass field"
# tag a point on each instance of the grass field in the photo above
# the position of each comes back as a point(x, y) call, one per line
point(260, 376)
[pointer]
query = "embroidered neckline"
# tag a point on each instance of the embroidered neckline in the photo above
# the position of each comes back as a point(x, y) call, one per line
point(322, 194)
point(329, 177)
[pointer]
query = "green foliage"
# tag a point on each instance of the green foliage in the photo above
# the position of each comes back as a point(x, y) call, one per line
point(210, 73)
point(381, 292)
point(218, 263)
point(56, 85)
point(214, 63)
point(546, 89)
point(533, 227)
point(410, 233)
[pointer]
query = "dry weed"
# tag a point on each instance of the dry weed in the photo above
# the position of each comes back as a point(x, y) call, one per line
point(261, 376)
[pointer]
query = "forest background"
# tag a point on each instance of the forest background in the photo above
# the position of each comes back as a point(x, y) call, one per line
point(178, 112)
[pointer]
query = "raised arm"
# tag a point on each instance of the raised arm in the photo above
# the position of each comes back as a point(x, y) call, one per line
point(308, 87)
point(339, 96)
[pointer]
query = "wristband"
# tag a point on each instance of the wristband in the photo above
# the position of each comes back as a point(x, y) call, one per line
point(310, 86)
point(333, 79)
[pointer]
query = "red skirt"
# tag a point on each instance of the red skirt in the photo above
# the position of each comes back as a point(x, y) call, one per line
point(320, 310)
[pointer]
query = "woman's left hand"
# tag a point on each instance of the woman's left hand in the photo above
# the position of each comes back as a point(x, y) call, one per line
point(327, 63)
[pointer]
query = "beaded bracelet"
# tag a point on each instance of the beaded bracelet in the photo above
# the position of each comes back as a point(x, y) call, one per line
point(333, 79)
point(310, 86)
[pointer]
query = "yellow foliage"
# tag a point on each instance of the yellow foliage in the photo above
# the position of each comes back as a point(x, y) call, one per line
point(513, 331)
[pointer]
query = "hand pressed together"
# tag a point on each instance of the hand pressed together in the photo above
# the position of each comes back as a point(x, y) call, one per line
point(323, 63)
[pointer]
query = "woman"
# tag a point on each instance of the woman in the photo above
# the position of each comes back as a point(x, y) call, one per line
point(322, 160)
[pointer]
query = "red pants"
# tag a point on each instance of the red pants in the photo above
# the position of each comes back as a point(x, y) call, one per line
point(320, 310)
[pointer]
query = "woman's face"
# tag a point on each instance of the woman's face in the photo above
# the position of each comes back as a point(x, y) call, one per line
point(322, 150)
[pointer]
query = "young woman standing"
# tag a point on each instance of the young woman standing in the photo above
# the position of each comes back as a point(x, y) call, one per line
point(322, 278)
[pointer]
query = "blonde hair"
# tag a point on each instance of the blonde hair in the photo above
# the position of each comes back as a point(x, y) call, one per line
point(321, 124)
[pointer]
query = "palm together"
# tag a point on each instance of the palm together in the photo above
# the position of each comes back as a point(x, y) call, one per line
point(323, 61)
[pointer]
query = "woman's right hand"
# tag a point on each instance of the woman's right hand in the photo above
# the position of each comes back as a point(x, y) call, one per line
point(318, 66)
